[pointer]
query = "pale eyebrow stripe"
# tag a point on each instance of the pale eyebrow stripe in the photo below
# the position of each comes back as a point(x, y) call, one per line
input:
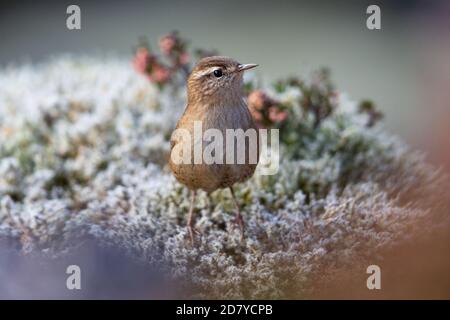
point(202, 73)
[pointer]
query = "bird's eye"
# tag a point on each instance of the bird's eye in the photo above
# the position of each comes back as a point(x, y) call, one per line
point(218, 73)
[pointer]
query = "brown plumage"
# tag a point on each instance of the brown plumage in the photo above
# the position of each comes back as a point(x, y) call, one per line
point(215, 99)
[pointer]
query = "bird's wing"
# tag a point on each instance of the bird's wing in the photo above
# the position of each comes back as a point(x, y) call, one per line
point(173, 138)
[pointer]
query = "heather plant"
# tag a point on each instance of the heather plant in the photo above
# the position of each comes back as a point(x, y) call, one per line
point(83, 154)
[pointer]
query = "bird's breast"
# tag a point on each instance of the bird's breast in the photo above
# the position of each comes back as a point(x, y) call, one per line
point(211, 176)
point(228, 117)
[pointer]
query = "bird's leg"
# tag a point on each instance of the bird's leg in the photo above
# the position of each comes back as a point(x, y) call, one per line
point(190, 220)
point(239, 219)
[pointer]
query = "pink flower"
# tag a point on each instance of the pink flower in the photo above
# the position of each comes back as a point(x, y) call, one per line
point(257, 99)
point(256, 114)
point(276, 115)
point(160, 74)
point(167, 43)
point(184, 58)
point(282, 116)
point(141, 60)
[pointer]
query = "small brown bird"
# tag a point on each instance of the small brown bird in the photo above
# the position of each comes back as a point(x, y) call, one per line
point(215, 98)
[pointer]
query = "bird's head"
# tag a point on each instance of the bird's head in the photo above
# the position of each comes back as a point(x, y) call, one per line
point(215, 78)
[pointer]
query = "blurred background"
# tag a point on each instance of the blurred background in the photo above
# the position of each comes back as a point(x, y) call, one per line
point(404, 67)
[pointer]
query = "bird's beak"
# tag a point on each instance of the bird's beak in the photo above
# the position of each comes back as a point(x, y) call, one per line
point(243, 67)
